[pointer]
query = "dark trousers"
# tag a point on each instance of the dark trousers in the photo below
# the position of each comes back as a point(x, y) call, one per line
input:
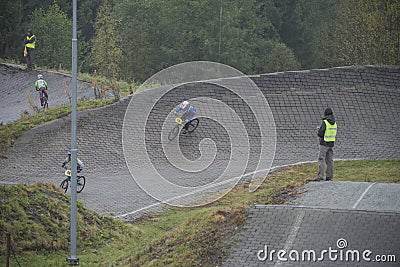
point(325, 156)
point(30, 58)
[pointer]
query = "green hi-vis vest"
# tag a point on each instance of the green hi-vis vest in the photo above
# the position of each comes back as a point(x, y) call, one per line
point(330, 131)
point(30, 45)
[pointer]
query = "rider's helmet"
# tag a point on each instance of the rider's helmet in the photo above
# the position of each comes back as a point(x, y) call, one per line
point(40, 77)
point(30, 31)
point(69, 152)
point(185, 105)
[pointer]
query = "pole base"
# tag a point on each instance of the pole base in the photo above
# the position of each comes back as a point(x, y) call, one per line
point(73, 261)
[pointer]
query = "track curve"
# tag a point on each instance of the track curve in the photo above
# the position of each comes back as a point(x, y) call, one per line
point(16, 83)
point(365, 100)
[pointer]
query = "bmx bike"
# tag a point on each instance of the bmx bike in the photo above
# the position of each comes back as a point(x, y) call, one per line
point(80, 180)
point(187, 127)
point(44, 98)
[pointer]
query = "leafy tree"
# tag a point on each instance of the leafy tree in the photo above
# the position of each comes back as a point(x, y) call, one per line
point(11, 30)
point(281, 58)
point(368, 32)
point(139, 53)
point(16, 15)
point(87, 12)
point(53, 30)
point(242, 40)
point(134, 39)
point(160, 34)
point(107, 55)
point(321, 23)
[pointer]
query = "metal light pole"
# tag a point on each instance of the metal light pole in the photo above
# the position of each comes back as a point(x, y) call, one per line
point(73, 259)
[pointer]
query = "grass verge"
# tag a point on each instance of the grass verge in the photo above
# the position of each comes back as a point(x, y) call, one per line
point(37, 217)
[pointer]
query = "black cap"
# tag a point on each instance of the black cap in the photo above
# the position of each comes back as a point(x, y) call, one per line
point(328, 111)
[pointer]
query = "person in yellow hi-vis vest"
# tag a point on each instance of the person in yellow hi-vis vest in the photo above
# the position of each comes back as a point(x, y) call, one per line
point(29, 50)
point(327, 134)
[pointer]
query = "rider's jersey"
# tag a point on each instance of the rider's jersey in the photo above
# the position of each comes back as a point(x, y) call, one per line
point(78, 162)
point(191, 112)
point(40, 84)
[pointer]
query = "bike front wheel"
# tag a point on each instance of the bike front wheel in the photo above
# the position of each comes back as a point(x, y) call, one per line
point(64, 185)
point(192, 125)
point(173, 133)
point(81, 183)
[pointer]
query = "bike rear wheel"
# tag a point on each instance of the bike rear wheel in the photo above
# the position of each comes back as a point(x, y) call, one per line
point(45, 103)
point(192, 125)
point(81, 183)
point(64, 185)
point(173, 133)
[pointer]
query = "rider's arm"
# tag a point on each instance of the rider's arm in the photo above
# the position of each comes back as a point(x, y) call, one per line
point(80, 163)
point(66, 160)
point(179, 107)
point(29, 41)
point(33, 39)
point(321, 130)
point(192, 113)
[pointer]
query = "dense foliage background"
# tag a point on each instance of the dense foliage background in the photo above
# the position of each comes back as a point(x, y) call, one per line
point(133, 39)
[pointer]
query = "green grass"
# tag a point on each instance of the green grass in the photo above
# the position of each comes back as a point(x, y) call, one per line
point(37, 217)
point(11, 131)
point(384, 171)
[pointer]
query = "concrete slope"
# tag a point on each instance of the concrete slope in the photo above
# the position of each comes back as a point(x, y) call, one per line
point(16, 82)
point(365, 100)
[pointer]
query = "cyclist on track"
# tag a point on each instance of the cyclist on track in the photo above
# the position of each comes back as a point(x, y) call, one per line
point(41, 86)
point(78, 162)
point(188, 111)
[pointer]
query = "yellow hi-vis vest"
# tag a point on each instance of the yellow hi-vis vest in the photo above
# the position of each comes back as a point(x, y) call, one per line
point(30, 45)
point(330, 131)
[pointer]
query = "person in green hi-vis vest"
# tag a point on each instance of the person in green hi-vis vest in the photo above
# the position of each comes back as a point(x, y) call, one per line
point(327, 134)
point(29, 50)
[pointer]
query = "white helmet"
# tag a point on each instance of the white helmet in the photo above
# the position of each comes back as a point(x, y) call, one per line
point(40, 77)
point(185, 105)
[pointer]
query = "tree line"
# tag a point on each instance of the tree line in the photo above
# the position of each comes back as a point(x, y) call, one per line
point(132, 39)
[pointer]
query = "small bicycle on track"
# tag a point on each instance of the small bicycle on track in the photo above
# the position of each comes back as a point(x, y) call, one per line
point(80, 179)
point(187, 127)
point(44, 98)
